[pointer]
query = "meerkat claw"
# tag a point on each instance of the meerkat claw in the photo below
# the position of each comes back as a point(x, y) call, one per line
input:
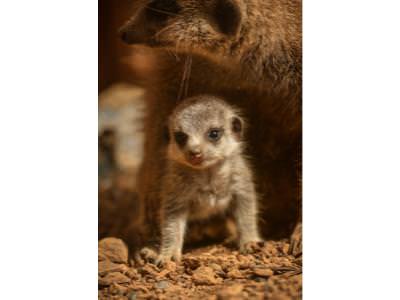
point(146, 255)
point(251, 247)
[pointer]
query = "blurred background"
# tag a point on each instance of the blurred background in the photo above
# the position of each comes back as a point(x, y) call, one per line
point(112, 52)
point(121, 110)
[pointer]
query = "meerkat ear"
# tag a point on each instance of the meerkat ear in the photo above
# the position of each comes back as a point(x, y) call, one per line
point(227, 16)
point(237, 126)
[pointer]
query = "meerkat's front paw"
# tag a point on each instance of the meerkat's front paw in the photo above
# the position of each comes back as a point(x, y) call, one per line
point(251, 246)
point(145, 255)
point(162, 259)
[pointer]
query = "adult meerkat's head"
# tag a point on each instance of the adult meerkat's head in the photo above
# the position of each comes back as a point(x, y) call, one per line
point(207, 26)
point(204, 131)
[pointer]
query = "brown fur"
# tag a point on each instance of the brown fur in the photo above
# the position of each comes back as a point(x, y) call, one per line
point(257, 68)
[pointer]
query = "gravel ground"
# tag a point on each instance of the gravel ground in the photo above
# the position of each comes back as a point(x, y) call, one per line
point(212, 272)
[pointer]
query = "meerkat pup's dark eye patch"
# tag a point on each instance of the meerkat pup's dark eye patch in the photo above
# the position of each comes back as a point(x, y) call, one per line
point(227, 16)
point(180, 138)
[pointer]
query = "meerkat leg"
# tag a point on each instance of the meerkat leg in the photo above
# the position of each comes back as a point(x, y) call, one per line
point(246, 220)
point(173, 231)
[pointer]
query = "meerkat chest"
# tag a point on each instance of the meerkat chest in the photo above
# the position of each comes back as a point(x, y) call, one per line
point(211, 196)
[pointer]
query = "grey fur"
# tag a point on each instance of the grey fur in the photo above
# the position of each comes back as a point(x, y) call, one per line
point(222, 182)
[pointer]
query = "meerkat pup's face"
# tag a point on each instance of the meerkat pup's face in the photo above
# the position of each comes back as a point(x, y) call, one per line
point(187, 25)
point(204, 131)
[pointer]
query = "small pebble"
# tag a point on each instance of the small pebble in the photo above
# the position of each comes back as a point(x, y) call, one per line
point(132, 296)
point(162, 284)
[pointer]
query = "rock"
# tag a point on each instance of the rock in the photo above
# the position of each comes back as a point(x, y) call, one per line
point(106, 266)
point(117, 289)
point(263, 272)
point(191, 263)
point(285, 248)
point(132, 274)
point(149, 269)
point(162, 284)
point(113, 249)
point(101, 256)
point(205, 276)
point(114, 277)
point(215, 267)
point(132, 295)
point(235, 273)
point(230, 291)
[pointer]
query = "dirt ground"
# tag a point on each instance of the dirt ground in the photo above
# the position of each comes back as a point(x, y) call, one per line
point(212, 272)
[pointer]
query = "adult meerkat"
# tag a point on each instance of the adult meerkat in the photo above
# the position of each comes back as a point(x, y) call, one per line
point(206, 173)
point(253, 57)
point(260, 40)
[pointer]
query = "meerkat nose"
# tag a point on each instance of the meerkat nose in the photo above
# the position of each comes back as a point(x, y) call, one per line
point(195, 157)
point(195, 153)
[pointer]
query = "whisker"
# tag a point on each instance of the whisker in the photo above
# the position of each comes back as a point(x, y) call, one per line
point(189, 70)
point(155, 36)
point(161, 11)
point(184, 87)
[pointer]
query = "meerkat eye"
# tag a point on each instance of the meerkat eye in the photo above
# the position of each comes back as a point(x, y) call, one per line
point(227, 16)
point(180, 138)
point(214, 134)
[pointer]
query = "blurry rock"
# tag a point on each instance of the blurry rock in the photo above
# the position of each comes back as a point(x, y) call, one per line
point(263, 272)
point(205, 276)
point(114, 277)
point(163, 284)
point(149, 269)
point(113, 249)
point(191, 262)
point(168, 268)
point(132, 273)
point(235, 273)
point(107, 266)
point(132, 295)
point(117, 289)
point(230, 291)
point(217, 268)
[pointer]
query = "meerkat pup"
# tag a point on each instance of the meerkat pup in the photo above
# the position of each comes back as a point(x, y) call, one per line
point(206, 174)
